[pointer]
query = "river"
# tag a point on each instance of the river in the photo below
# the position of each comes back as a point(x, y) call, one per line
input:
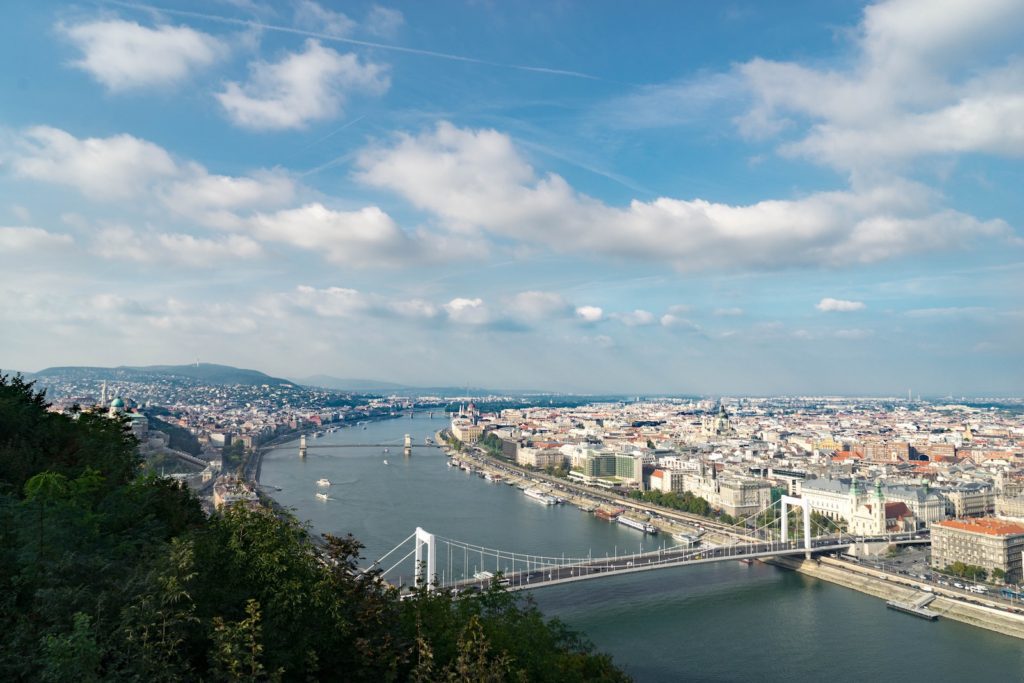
point(718, 622)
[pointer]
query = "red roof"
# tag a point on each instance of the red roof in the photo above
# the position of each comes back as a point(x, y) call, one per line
point(984, 525)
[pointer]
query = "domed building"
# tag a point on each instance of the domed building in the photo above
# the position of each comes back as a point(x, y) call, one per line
point(116, 407)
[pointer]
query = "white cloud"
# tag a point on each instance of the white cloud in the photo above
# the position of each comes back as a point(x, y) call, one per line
point(674, 321)
point(635, 318)
point(123, 55)
point(383, 21)
point(589, 314)
point(331, 302)
point(534, 305)
point(476, 180)
point(117, 167)
point(854, 334)
point(314, 17)
point(121, 243)
point(728, 312)
point(828, 304)
point(214, 200)
point(300, 88)
point(19, 238)
point(919, 85)
point(366, 237)
point(467, 311)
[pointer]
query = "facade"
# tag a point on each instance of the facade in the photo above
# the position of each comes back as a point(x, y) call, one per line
point(541, 458)
point(1010, 506)
point(985, 542)
point(970, 500)
point(466, 431)
point(734, 495)
point(831, 498)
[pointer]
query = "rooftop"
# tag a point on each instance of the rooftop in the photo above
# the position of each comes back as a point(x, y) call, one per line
point(983, 525)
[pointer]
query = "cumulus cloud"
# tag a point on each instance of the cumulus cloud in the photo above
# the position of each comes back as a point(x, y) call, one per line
point(919, 84)
point(536, 305)
point(383, 21)
point(314, 17)
point(365, 237)
point(22, 239)
point(476, 180)
point(635, 318)
point(299, 88)
point(117, 167)
point(121, 243)
point(123, 54)
point(467, 311)
point(214, 200)
point(590, 314)
point(828, 304)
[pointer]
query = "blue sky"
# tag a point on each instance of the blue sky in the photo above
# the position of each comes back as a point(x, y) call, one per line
point(687, 197)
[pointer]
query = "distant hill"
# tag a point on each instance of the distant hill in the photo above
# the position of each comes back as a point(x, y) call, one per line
point(208, 373)
point(357, 385)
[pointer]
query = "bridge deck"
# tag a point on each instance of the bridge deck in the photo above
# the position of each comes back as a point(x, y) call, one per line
point(596, 568)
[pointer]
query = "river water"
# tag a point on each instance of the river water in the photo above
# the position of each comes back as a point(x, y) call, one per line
point(719, 622)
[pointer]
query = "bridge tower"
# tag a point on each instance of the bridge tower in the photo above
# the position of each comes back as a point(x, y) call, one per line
point(802, 503)
point(408, 445)
point(428, 565)
point(302, 446)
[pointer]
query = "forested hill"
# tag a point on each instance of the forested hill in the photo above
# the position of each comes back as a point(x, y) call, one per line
point(105, 575)
point(203, 373)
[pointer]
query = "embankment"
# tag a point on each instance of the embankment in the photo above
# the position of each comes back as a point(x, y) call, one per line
point(947, 604)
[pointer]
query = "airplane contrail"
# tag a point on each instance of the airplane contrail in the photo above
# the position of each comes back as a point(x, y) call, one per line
point(249, 23)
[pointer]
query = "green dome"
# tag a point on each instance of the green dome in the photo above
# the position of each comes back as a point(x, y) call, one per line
point(117, 403)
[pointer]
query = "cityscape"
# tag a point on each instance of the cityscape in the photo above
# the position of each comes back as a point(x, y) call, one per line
point(476, 341)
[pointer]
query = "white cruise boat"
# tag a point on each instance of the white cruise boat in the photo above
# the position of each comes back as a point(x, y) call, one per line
point(638, 525)
point(539, 495)
point(322, 496)
point(323, 482)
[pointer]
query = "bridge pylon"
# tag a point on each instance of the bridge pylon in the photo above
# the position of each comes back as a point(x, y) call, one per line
point(408, 444)
point(425, 541)
point(801, 503)
point(302, 446)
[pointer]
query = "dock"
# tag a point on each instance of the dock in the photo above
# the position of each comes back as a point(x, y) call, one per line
point(918, 607)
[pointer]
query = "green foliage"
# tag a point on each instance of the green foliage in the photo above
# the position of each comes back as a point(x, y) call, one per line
point(998, 574)
point(686, 502)
point(109, 574)
point(967, 571)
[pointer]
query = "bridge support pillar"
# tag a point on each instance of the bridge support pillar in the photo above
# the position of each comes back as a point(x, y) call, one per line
point(425, 541)
point(408, 445)
point(788, 501)
point(302, 446)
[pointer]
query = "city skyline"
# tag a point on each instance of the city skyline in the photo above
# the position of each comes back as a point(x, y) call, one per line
point(820, 198)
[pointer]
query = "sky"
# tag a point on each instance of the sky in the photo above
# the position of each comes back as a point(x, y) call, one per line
point(821, 197)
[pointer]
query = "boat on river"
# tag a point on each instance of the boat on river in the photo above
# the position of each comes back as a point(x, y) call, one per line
point(539, 495)
point(645, 527)
point(322, 496)
point(323, 481)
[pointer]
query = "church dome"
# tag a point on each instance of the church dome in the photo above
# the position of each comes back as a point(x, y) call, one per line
point(117, 403)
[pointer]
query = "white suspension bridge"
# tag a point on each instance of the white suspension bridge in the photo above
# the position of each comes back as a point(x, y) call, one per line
point(441, 563)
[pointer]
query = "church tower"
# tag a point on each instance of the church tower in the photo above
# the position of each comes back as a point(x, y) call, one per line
point(878, 510)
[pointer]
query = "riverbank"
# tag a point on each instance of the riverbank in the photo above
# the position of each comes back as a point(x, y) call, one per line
point(894, 587)
point(975, 611)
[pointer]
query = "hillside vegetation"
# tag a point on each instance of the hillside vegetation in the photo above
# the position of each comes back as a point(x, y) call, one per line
point(108, 575)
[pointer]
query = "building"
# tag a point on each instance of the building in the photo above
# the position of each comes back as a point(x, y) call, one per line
point(970, 500)
point(1010, 506)
point(466, 431)
point(734, 495)
point(985, 542)
point(718, 425)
